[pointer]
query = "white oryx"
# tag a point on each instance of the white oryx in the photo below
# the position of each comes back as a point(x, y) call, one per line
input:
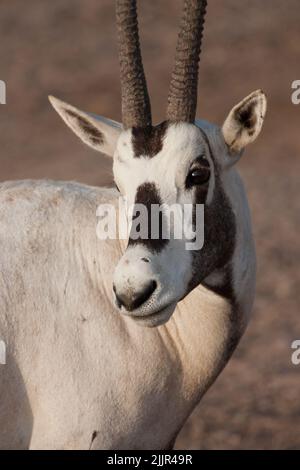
point(83, 370)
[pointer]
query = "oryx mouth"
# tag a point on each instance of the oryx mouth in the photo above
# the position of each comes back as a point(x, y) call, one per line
point(158, 317)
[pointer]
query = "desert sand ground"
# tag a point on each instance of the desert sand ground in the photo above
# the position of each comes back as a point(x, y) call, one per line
point(68, 48)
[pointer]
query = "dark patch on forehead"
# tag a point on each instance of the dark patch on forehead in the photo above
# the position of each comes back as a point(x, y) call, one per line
point(148, 141)
point(148, 194)
point(94, 134)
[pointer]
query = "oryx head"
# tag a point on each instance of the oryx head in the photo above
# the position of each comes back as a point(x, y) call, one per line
point(179, 161)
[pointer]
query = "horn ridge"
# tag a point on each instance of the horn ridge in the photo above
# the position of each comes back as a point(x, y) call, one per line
point(136, 108)
point(182, 98)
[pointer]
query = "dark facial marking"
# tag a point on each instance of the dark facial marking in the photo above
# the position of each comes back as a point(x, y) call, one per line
point(225, 288)
point(148, 141)
point(216, 254)
point(95, 136)
point(219, 234)
point(147, 194)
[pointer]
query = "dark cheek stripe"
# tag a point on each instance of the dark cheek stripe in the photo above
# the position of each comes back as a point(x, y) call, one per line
point(148, 194)
point(219, 236)
point(217, 253)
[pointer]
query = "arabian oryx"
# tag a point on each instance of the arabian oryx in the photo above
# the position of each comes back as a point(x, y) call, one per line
point(111, 344)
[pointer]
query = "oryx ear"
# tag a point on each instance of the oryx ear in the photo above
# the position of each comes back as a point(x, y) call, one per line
point(244, 122)
point(96, 131)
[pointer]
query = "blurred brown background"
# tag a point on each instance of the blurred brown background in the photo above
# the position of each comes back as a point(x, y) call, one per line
point(68, 48)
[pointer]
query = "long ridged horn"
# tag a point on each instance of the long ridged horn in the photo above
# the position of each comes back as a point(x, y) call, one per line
point(136, 109)
point(182, 99)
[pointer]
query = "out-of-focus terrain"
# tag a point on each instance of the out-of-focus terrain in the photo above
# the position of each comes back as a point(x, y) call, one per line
point(68, 48)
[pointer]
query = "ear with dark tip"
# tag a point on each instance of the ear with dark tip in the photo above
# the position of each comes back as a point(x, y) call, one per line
point(244, 122)
point(96, 131)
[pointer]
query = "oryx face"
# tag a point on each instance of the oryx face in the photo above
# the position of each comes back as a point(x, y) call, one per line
point(170, 166)
point(178, 164)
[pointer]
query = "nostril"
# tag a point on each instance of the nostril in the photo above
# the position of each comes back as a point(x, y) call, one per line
point(134, 300)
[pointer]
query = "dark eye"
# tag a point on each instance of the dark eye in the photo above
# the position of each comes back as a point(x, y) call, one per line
point(199, 174)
